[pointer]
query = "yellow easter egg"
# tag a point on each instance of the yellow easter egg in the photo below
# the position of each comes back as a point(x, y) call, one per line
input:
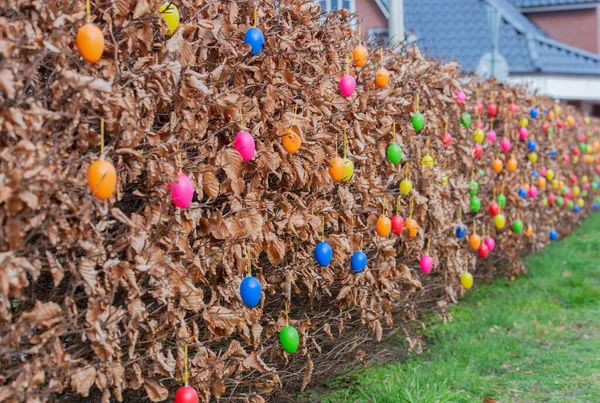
point(170, 13)
point(348, 169)
point(524, 122)
point(428, 161)
point(576, 190)
point(550, 175)
point(406, 186)
point(533, 157)
point(580, 202)
point(466, 279)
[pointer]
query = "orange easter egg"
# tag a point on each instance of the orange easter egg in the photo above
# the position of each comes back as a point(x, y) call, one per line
point(102, 179)
point(497, 165)
point(291, 141)
point(382, 77)
point(529, 231)
point(512, 165)
point(541, 182)
point(90, 42)
point(337, 169)
point(360, 56)
point(475, 241)
point(384, 226)
point(412, 226)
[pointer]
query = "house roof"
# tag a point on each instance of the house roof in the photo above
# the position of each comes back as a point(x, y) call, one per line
point(550, 3)
point(459, 30)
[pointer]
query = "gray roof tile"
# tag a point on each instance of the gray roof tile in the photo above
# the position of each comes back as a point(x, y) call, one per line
point(546, 3)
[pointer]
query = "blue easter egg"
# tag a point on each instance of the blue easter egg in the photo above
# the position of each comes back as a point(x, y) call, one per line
point(595, 205)
point(358, 262)
point(576, 208)
point(323, 253)
point(553, 234)
point(531, 145)
point(553, 153)
point(461, 231)
point(255, 38)
point(522, 193)
point(534, 112)
point(535, 174)
point(250, 291)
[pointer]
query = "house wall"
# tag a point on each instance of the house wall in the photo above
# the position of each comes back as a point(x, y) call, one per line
point(371, 15)
point(578, 28)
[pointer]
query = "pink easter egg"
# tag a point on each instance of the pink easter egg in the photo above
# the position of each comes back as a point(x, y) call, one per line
point(491, 136)
point(505, 145)
point(479, 124)
point(182, 191)
point(543, 171)
point(533, 191)
point(461, 97)
point(551, 198)
point(244, 144)
point(426, 263)
point(347, 85)
point(523, 133)
point(567, 193)
point(586, 185)
point(490, 243)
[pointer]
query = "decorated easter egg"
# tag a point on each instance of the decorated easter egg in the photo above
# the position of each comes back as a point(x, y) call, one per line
point(535, 174)
point(531, 145)
point(382, 77)
point(553, 234)
point(475, 241)
point(549, 174)
point(170, 14)
point(512, 164)
point(289, 339)
point(522, 193)
point(323, 253)
point(490, 243)
point(477, 151)
point(553, 153)
point(501, 199)
point(348, 169)
point(473, 187)
point(384, 226)
point(337, 169)
point(505, 145)
point(533, 112)
point(182, 192)
point(446, 138)
point(358, 262)
point(555, 184)
point(291, 141)
point(475, 203)
point(460, 96)
point(244, 144)
point(466, 279)
point(465, 119)
point(500, 221)
point(250, 291)
point(513, 108)
point(492, 109)
point(494, 208)
point(479, 125)
point(523, 122)
point(576, 190)
point(102, 179)
point(570, 205)
point(546, 127)
point(394, 153)
point(90, 42)
point(406, 186)
point(491, 136)
point(580, 202)
point(428, 161)
point(497, 165)
point(529, 231)
point(461, 231)
point(595, 206)
point(413, 227)
point(518, 226)
point(426, 263)
point(566, 159)
point(347, 85)
point(533, 191)
point(186, 394)
point(576, 208)
point(541, 182)
point(523, 133)
point(533, 157)
point(418, 121)
point(560, 201)
point(587, 120)
point(560, 124)
point(478, 107)
point(397, 224)
point(551, 198)
point(480, 172)
point(478, 135)
point(570, 121)
point(545, 202)
point(360, 55)
point(483, 251)
point(255, 38)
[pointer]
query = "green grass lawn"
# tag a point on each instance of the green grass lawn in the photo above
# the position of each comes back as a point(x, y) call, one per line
point(536, 339)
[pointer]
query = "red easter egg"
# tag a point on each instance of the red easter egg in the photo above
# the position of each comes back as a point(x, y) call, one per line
point(546, 127)
point(478, 107)
point(397, 224)
point(551, 198)
point(565, 158)
point(582, 137)
point(478, 151)
point(186, 394)
point(494, 208)
point(573, 179)
point(560, 124)
point(492, 109)
point(446, 138)
point(483, 251)
point(479, 124)
point(576, 151)
point(513, 108)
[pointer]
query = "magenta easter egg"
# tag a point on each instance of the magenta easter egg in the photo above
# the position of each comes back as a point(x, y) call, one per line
point(244, 144)
point(586, 185)
point(551, 198)
point(523, 133)
point(491, 136)
point(533, 191)
point(426, 263)
point(490, 243)
point(182, 191)
point(505, 145)
point(543, 171)
point(461, 97)
point(347, 85)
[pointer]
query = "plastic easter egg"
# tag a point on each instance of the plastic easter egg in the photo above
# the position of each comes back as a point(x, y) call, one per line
point(523, 133)
point(491, 136)
point(594, 185)
point(466, 279)
point(522, 193)
point(580, 202)
point(595, 206)
point(475, 204)
point(494, 208)
point(382, 77)
point(576, 208)
point(570, 121)
point(534, 112)
point(358, 262)
point(555, 184)
point(513, 108)
point(545, 202)
point(518, 226)
point(323, 253)
point(291, 141)
point(397, 224)
point(250, 291)
point(426, 263)
point(428, 161)
point(170, 14)
point(182, 192)
point(473, 187)
point(523, 122)
point(586, 186)
point(461, 97)
point(505, 145)
point(337, 169)
point(576, 190)
point(446, 138)
point(483, 251)
point(465, 119)
point(461, 231)
point(478, 107)
point(512, 165)
point(560, 124)
point(347, 85)
point(360, 55)
point(186, 394)
point(570, 205)
point(566, 159)
point(102, 179)
point(549, 174)
point(553, 234)
point(406, 186)
point(418, 121)
point(533, 191)
point(244, 144)
point(492, 109)
point(560, 201)
point(551, 198)
point(546, 127)
point(490, 243)
point(585, 179)
point(475, 241)
point(501, 199)
point(477, 151)
point(480, 172)
point(394, 153)
point(479, 125)
point(553, 153)
point(529, 231)
point(478, 135)
point(541, 182)
point(587, 120)
point(255, 38)
point(497, 165)
point(582, 147)
point(533, 157)
point(90, 42)
point(531, 145)
point(500, 221)
point(384, 226)
point(535, 174)
point(348, 169)
point(413, 227)
point(289, 339)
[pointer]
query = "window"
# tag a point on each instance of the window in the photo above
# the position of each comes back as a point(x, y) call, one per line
point(332, 5)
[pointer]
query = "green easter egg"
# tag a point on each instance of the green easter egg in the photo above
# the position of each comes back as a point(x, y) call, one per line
point(418, 121)
point(475, 204)
point(290, 339)
point(570, 205)
point(560, 201)
point(394, 153)
point(473, 187)
point(348, 170)
point(481, 172)
point(518, 226)
point(501, 199)
point(465, 119)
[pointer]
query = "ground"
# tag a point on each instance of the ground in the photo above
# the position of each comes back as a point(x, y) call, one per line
point(536, 339)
